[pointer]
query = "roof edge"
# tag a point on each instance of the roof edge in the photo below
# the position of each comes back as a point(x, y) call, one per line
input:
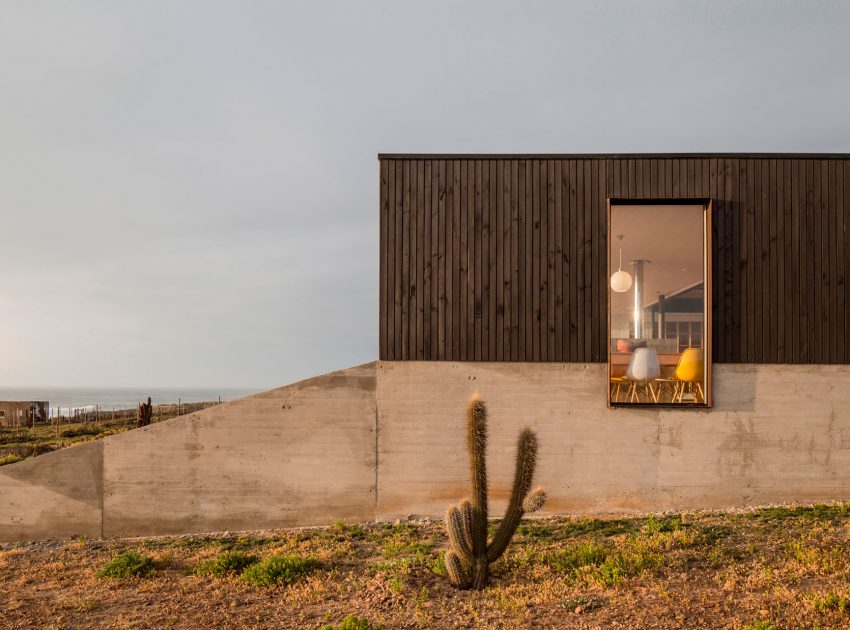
point(603, 156)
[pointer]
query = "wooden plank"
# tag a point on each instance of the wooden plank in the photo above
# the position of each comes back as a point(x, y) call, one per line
point(581, 258)
point(494, 328)
point(718, 257)
point(456, 255)
point(515, 237)
point(818, 267)
point(501, 256)
point(587, 324)
point(801, 244)
point(713, 193)
point(573, 260)
point(596, 317)
point(437, 315)
point(840, 191)
point(825, 261)
point(559, 260)
point(810, 316)
point(787, 249)
point(550, 260)
point(382, 264)
point(781, 255)
point(752, 260)
point(836, 264)
point(535, 261)
point(400, 237)
point(472, 321)
point(524, 266)
point(417, 228)
point(478, 259)
point(485, 262)
point(465, 208)
point(653, 179)
point(408, 251)
point(769, 314)
point(762, 264)
point(447, 285)
point(736, 304)
point(845, 188)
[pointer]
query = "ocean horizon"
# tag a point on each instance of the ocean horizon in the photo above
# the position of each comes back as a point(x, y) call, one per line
point(87, 398)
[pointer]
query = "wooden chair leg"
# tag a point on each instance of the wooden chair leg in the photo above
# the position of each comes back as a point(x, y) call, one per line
point(701, 394)
point(652, 392)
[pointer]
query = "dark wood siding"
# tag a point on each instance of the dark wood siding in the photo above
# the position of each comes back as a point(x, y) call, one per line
point(503, 258)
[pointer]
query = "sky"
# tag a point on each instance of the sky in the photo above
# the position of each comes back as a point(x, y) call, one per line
point(189, 190)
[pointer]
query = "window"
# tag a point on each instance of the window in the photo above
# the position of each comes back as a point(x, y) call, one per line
point(659, 302)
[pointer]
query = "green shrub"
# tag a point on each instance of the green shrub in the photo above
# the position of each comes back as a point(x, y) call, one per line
point(227, 563)
point(128, 564)
point(579, 555)
point(625, 563)
point(10, 459)
point(760, 625)
point(278, 570)
point(833, 602)
point(352, 622)
point(85, 429)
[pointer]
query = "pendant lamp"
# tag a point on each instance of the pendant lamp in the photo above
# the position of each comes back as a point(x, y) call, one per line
point(621, 281)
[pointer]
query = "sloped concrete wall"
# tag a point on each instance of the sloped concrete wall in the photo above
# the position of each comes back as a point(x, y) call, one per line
point(54, 495)
point(298, 455)
point(776, 434)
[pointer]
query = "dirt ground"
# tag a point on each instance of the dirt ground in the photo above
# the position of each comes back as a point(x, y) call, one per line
point(777, 567)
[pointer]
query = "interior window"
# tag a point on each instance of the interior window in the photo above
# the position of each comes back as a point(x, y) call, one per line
point(659, 295)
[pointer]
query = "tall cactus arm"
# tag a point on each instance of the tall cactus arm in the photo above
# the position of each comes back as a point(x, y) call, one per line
point(458, 536)
point(466, 518)
point(458, 576)
point(476, 419)
point(526, 459)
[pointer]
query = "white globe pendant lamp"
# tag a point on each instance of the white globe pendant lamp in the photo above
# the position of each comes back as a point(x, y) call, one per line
point(621, 281)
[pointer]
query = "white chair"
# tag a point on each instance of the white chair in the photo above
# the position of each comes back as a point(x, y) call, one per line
point(642, 371)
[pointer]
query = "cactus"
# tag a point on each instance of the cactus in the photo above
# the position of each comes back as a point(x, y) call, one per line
point(470, 556)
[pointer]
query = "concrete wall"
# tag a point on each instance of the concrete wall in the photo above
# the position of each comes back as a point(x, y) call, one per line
point(309, 453)
point(776, 433)
point(298, 455)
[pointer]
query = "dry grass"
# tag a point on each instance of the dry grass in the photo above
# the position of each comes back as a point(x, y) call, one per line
point(773, 567)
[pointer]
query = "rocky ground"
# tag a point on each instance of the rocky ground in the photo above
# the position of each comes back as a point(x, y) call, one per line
point(777, 567)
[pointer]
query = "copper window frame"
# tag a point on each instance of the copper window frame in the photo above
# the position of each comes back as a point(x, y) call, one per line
point(707, 204)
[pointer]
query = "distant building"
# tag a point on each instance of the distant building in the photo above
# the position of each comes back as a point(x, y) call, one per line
point(15, 413)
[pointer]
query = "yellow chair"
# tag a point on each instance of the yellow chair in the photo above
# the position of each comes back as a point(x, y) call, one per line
point(689, 371)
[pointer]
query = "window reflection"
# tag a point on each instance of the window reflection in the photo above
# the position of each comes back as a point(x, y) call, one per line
point(657, 296)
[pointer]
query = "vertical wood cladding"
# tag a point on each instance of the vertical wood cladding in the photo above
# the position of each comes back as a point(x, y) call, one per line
point(503, 258)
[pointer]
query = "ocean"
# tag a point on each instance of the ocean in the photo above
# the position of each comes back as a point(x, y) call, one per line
point(86, 398)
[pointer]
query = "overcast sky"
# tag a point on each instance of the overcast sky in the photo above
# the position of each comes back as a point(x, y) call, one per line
point(188, 190)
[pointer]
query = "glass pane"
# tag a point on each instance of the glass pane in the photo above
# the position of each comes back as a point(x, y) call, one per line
point(657, 297)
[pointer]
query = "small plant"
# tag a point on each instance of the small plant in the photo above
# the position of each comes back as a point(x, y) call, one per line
point(11, 458)
point(353, 622)
point(278, 570)
point(469, 559)
point(226, 563)
point(128, 564)
point(761, 624)
point(832, 602)
point(589, 553)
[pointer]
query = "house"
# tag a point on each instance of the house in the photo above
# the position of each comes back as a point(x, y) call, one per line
point(23, 413)
point(674, 327)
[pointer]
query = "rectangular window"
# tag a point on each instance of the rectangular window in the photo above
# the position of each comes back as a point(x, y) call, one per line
point(659, 302)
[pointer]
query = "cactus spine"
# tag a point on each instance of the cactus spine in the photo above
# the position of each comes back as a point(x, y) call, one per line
point(469, 558)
